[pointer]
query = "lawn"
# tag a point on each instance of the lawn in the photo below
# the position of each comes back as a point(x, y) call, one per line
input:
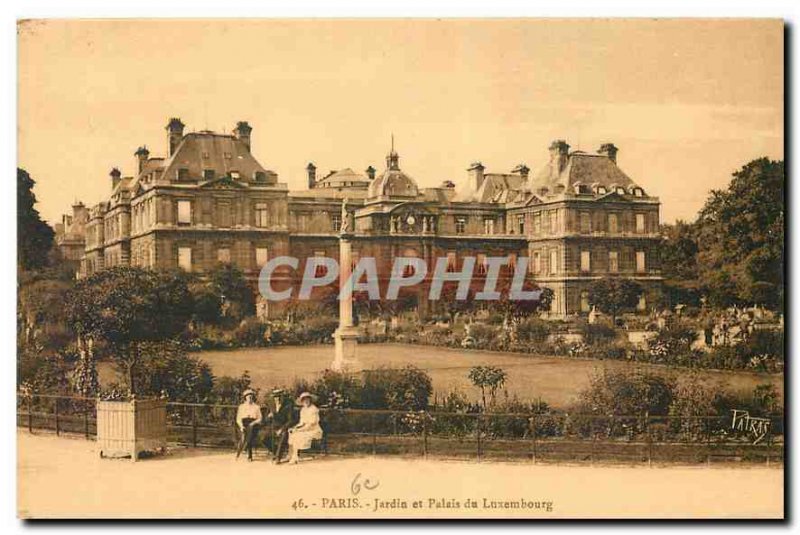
point(556, 380)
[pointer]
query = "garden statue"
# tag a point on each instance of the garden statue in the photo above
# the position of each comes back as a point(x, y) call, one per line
point(468, 341)
point(347, 219)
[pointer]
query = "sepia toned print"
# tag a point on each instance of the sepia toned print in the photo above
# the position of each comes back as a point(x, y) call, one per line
point(400, 269)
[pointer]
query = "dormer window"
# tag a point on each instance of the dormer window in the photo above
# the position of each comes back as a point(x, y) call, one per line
point(235, 175)
point(620, 190)
point(260, 176)
point(208, 174)
point(601, 190)
point(183, 174)
point(582, 188)
point(638, 192)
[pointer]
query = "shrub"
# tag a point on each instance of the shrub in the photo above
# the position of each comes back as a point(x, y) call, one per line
point(170, 372)
point(335, 389)
point(228, 390)
point(37, 372)
point(532, 330)
point(407, 388)
point(673, 340)
point(250, 332)
point(597, 333)
point(213, 337)
point(484, 336)
point(627, 392)
point(693, 400)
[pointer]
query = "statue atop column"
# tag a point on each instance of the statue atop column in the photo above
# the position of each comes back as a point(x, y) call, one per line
point(348, 222)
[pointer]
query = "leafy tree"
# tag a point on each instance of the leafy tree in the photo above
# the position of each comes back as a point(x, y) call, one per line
point(41, 313)
point(236, 296)
point(449, 304)
point(740, 236)
point(613, 295)
point(679, 251)
point(34, 236)
point(487, 377)
point(129, 309)
point(521, 308)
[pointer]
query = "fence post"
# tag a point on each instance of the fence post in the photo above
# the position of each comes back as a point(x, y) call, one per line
point(374, 433)
point(86, 421)
point(30, 414)
point(649, 441)
point(194, 426)
point(425, 435)
point(533, 430)
point(478, 433)
point(58, 427)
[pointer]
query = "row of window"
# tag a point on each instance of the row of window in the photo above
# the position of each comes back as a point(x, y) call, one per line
point(461, 224)
point(549, 220)
point(211, 174)
point(585, 262)
point(260, 214)
point(599, 189)
point(223, 256)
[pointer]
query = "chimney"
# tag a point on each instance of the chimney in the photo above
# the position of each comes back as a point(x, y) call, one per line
point(115, 176)
point(312, 175)
point(559, 151)
point(609, 150)
point(242, 133)
point(79, 212)
point(174, 134)
point(370, 172)
point(475, 175)
point(522, 170)
point(142, 154)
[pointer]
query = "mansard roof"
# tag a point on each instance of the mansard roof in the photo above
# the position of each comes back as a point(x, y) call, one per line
point(199, 151)
point(580, 168)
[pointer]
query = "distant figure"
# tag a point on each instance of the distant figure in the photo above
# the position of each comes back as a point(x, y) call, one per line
point(307, 430)
point(248, 418)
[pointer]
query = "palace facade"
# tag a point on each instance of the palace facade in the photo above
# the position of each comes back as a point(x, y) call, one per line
point(208, 200)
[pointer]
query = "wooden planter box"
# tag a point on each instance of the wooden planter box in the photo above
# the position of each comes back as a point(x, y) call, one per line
point(127, 428)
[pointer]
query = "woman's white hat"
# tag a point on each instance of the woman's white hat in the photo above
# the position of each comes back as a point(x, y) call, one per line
point(308, 395)
point(248, 392)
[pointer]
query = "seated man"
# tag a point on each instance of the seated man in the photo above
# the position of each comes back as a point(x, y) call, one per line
point(283, 417)
point(248, 418)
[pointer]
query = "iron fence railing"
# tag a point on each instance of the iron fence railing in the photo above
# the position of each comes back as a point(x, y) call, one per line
point(539, 437)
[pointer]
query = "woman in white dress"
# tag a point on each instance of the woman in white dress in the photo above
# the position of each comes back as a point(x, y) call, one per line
point(307, 430)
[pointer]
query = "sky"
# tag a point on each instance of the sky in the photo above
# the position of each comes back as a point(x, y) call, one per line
point(686, 101)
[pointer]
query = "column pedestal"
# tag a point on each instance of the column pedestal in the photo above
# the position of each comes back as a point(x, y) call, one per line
point(345, 341)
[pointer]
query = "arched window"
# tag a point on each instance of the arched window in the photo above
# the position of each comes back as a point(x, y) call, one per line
point(408, 270)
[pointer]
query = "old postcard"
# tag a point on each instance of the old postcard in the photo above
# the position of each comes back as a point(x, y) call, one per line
point(400, 268)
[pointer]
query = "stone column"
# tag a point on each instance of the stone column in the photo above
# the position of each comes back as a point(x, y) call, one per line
point(346, 336)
